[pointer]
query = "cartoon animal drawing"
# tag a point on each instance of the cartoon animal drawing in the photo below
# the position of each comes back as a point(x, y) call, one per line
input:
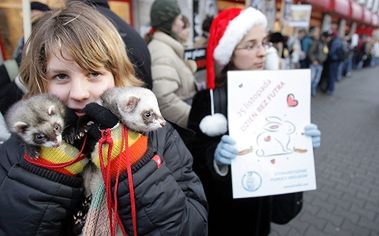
point(275, 138)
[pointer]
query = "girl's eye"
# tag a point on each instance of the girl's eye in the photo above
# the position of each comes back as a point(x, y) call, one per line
point(93, 74)
point(60, 77)
point(251, 46)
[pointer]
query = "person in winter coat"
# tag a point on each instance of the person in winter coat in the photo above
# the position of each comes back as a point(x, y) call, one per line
point(136, 48)
point(318, 53)
point(106, 180)
point(37, 9)
point(237, 41)
point(11, 89)
point(336, 56)
point(9, 93)
point(173, 79)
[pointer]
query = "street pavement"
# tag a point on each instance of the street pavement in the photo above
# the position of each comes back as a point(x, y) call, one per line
point(346, 201)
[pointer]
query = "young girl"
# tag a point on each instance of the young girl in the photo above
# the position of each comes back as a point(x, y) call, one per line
point(237, 41)
point(147, 186)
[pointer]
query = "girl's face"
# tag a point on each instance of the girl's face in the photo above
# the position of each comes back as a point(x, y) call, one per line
point(249, 54)
point(184, 34)
point(75, 87)
point(177, 25)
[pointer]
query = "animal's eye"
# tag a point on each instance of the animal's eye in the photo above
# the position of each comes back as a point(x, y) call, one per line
point(57, 127)
point(147, 114)
point(39, 136)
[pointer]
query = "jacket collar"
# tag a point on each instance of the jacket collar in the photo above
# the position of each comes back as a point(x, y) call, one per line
point(174, 44)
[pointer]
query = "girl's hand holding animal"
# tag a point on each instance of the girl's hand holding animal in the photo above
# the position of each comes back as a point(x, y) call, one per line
point(102, 118)
point(312, 131)
point(108, 137)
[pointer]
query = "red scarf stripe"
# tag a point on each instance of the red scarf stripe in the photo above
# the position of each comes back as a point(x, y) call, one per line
point(135, 152)
point(122, 162)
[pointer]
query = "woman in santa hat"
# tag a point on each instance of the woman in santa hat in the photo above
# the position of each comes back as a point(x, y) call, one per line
point(237, 41)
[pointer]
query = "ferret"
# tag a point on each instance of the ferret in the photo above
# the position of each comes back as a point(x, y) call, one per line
point(136, 107)
point(38, 121)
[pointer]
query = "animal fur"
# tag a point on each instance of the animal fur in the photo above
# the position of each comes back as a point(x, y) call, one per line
point(136, 107)
point(38, 121)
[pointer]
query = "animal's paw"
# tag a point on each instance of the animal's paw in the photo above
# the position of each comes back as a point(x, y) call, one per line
point(32, 152)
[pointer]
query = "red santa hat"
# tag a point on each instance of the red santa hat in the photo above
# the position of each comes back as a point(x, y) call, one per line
point(227, 30)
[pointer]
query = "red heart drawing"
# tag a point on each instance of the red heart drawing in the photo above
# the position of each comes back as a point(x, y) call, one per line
point(273, 161)
point(267, 138)
point(291, 101)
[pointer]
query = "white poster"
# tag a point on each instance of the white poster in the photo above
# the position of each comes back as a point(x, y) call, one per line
point(267, 113)
point(298, 15)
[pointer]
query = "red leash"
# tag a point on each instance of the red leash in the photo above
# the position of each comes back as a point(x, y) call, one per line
point(112, 201)
point(35, 161)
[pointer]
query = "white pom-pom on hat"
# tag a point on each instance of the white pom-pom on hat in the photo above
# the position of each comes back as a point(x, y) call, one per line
point(214, 125)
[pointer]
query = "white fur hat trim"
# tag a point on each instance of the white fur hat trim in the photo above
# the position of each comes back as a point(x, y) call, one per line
point(235, 31)
point(214, 125)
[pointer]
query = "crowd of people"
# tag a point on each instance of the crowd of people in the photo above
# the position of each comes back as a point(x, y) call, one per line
point(110, 180)
point(328, 55)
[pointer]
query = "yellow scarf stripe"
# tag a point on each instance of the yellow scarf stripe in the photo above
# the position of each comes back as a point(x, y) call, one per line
point(116, 134)
point(61, 154)
point(77, 167)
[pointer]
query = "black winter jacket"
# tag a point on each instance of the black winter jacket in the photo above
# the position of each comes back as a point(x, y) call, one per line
point(9, 92)
point(228, 216)
point(170, 199)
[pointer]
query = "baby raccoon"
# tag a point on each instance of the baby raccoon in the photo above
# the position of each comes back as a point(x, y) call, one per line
point(38, 121)
point(136, 107)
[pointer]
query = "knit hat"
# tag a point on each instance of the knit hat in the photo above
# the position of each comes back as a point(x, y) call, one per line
point(163, 14)
point(227, 30)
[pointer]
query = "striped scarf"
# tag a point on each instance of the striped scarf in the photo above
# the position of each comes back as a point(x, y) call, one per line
point(114, 154)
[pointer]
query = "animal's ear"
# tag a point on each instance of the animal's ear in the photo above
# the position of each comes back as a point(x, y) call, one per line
point(20, 126)
point(52, 110)
point(130, 104)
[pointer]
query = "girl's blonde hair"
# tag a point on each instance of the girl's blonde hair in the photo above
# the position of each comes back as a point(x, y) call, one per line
point(83, 33)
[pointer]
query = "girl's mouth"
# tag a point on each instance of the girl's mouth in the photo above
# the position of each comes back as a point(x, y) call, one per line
point(259, 65)
point(79, 112)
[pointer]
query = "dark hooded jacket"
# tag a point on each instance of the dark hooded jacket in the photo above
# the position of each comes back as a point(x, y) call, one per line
point(9, 92)
point(136, 47)
point(170, 199)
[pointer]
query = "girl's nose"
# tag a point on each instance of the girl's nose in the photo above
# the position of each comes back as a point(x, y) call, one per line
point(261, 50)
point(79, 90)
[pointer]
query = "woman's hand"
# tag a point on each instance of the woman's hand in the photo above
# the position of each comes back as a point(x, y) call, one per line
point(312, 131)
point(226, 150)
